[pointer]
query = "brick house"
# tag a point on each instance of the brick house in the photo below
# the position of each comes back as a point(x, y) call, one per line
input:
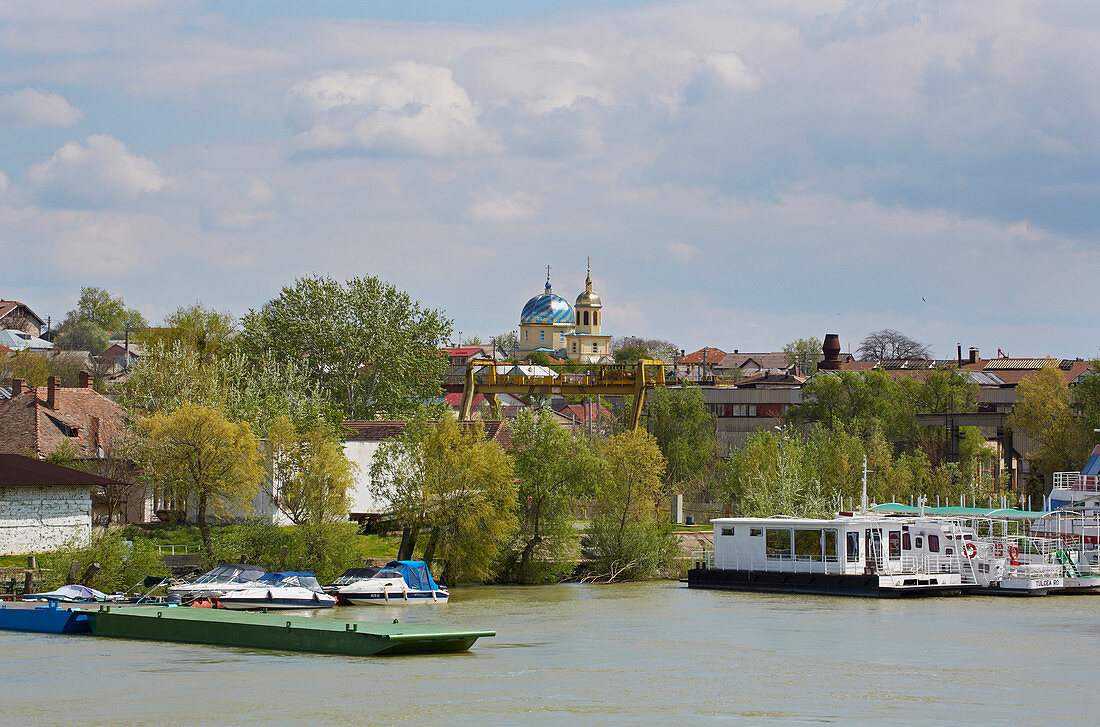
point(17, 316)
point(43, 506)
point(36, 421)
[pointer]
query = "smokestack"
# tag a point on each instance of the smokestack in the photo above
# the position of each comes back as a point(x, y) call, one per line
point(86, 381)
point(16, 387)
point(831, 349)
point(51, 392)
point(960, 355)
point(973, 355)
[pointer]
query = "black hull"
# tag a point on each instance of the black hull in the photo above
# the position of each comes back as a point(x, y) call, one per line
point(810, 583)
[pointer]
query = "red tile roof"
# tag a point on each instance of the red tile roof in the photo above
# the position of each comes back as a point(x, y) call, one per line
point(27, 424)
point(714, 356)
point(7, 306)
point(464, 351)
point(583, 412)
point(19, 471)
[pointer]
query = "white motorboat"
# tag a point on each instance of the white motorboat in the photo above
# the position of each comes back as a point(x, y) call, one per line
point(217, 582)
point(283, 590)
point(400, 582)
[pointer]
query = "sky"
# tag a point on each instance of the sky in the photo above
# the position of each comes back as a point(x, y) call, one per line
point(742, 173)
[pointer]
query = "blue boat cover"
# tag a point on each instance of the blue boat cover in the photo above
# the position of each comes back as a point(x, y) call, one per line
point(1092, 467)
point(73, 592)
point(281, 575)
point(415, 573)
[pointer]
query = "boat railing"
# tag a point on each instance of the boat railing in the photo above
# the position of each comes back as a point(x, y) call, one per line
point(927, 563)
point(1033, 570)
point(1077, 481)
point(702, 559)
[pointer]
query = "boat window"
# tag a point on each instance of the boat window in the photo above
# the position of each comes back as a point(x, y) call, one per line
point(934, 543)
point(807, 544)
point(727, 531)
point(830, 546)
point(948, 551)
point(756, 532)
point(853, 547)
point(413, 577)
point(389, 574)
point(310, 582)
point(894, 542)
point(905, 542)
point(777, 543)
point(918, 542)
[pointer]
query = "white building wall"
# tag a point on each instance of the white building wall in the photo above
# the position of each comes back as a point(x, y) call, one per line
point(361, 453)
point(41, 519)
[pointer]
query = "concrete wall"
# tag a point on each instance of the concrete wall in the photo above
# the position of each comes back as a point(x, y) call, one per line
point(361, 453)
point(41, 519)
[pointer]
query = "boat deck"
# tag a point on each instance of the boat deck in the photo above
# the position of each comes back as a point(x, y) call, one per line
point(278, 631)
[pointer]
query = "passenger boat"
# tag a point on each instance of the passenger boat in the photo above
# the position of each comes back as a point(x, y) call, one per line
point(400, 582)
point(47, 617)
point(284, 590)
point(858, 555)
point(217, 582)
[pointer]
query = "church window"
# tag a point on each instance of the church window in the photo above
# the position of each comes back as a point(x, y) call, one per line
point(542, 335)
point(574, 346)
point(595, 348)
point(562, 337)
point(586, 318)
point(595, 318)
point(525, 335)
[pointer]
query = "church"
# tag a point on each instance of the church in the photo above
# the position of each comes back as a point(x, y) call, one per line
point(548, 324)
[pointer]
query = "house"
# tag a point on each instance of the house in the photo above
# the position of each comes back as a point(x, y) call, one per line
point(43, 506)
point(699, 365)
point(16, 340)
point(16, 316)
point(751, 404)
point(36, 421)
point(361, 442)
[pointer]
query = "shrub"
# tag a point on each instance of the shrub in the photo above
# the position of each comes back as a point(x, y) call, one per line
point(122, 562)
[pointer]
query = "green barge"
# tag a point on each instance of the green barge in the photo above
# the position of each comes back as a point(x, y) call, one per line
point(279, 632)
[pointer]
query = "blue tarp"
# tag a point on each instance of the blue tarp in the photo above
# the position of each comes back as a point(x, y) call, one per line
point(415, 573)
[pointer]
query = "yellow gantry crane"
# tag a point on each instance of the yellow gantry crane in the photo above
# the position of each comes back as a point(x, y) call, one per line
point(591, 380)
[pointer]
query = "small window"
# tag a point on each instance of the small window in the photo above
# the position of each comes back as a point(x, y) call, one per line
point(561, 337)
point(918, 542)
point(594, 349)
point(595, 318)
point(756, 532)
point(777, 543)
point(852, 550)
point(586, 318)
point(727, 531)
point(574, 346)
point(542, 335)
point(906, 544)
point(934, 543)
point(525, 335)
point(948, 551)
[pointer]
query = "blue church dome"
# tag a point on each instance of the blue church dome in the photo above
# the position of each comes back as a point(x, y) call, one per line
point(547, 308)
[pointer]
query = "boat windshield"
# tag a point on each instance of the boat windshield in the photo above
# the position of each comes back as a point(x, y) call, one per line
point(290, 580)
point(311, 583)
point(352, 575)
point(389, 573)
point(229, 574)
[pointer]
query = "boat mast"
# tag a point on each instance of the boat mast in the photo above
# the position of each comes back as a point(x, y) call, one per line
point(863, 498)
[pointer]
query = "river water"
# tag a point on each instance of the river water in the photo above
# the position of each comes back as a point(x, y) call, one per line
point(630, 654)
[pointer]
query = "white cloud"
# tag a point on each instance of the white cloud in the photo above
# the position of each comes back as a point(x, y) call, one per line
point(3, 184)
point(99, 173)
point(682, 252)
point(497, 208)
point(408, 108)
point(30, 108)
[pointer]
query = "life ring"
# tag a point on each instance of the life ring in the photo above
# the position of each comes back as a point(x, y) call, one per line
point(1013, 554)
point(970, 549)
point(999, 550)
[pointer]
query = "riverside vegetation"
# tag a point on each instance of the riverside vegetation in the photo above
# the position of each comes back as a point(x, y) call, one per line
point(221, 407)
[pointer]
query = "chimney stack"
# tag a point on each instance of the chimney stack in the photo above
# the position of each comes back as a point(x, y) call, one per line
point(960, 355)
point(86, 381)
point(51, 392)
point(831, 349)
point(16, 387)
point(973, 355)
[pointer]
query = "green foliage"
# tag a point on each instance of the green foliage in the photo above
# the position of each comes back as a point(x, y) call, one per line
point(636, 347)
point(82, 336)
point(365, 345)
point(36, 367)
point(257, 541)
point(776, 477)
point(204, 330)
point(446, 480)
point(553, 467)
point(325, 549)
point(538, 358)
point(507, 341)
point(195, 456)
point(630, 354)
point(312, 476)
point(805, 353)
point(685, 431)
point(1043, 411)
point(122, 563)
point(97, 313)
point(253, 391)
point(624, 541)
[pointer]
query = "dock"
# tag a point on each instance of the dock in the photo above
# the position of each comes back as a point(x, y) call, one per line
point(277, 631)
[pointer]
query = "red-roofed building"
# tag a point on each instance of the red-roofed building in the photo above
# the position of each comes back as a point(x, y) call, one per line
point(19, 317)
point(699, 365)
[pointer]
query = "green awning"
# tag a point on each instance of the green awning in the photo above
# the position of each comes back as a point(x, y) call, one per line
point(1005, 513)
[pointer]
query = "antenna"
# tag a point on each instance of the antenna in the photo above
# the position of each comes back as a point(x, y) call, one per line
point(863, 498)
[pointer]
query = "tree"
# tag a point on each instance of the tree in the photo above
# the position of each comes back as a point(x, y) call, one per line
point(506, 341)
point(311, 475)
point(629, 355)
point(35, 367)
point(538, 358)
point(472, 341)
point(116, 463)
point(624, 539)
point(446, 480)
point(655, 348)
point(848, 398)
point(683, 428)
point(804, 353)
point(202, 458)
point(890, 344)
point(1043, 411)
point(553, 467)
point(205, 330)
point(97, 313)
point(776, 478)
point(365, 345)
